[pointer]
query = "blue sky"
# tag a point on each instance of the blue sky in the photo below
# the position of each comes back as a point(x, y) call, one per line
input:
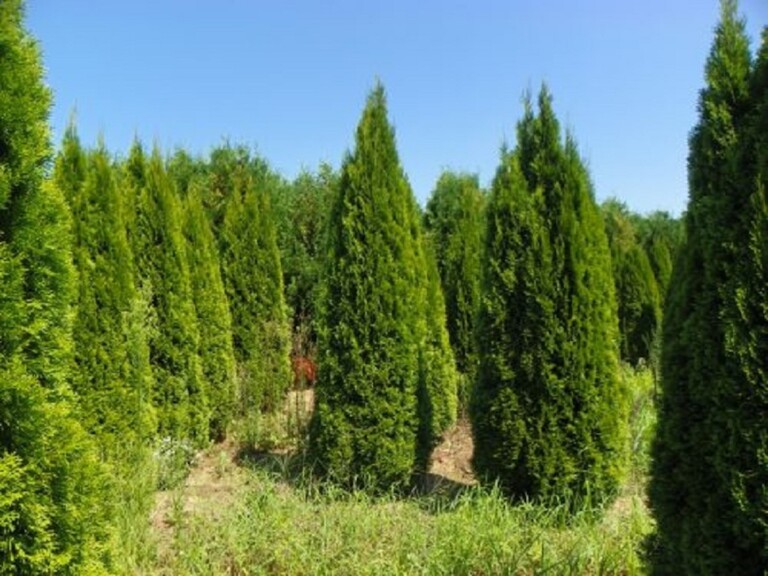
point(290, 78)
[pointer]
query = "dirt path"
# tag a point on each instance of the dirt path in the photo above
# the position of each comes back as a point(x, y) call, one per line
point(214, 482)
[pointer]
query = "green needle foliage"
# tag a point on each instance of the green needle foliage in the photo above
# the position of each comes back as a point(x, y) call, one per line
point(380, 374)
point(52, 517)
point(213, 318)
point(709, 470)
point(113, 378)
point(637, 293)
point(253, 280)
point(301, 212)
point(163, 272)
point(438, 396)
point(548, 411)
point(454, 222)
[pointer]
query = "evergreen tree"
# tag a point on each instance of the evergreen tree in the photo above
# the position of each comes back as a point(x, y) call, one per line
point(372, 336)
point(548, 413)
point(301, 213)
point(637, 294)
point(709, 472)
point(252, 274)
point(660, 236)
point(213, 318)
point(162, 267)
point(113, 378)
point(454, 221)
point(51, 514)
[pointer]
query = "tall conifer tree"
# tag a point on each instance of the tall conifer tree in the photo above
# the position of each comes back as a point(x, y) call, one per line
point(163, 273)
point(637, 293)
point(547, 412)
point(454, 222)
point(377, 390)
point(213, 316)
point(709, 470)
point(253, 280)
point(51, 503)
point(113, 378)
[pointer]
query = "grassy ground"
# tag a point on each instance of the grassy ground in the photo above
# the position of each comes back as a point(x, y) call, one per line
point(260, 513)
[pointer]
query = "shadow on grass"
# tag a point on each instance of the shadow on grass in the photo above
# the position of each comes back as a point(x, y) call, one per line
point(433, 493)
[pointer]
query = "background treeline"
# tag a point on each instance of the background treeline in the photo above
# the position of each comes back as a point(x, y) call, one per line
point(151, 304)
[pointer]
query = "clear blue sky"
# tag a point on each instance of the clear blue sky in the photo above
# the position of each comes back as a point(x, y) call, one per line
point(291, 77)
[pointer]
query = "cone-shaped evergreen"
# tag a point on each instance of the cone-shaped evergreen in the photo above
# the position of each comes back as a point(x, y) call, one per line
point(547, 412)
point(250, 264)
point(213, 318)
point(454, 221)
point(163, 272)
point(51, 513)
point(113, 378)
point(709, 470)
point(637, 294)
point(373, 329)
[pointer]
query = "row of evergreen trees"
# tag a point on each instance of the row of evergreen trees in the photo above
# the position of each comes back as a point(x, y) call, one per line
point(146, 298)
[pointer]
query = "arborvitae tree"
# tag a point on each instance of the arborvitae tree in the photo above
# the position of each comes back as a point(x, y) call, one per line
point(301, 213)
point(637, 293)
point(709, 469)
point(51, 513)
point(548, 412)
point(454, 221)
point(374, 325)
point(660, 235)
point(252, 274)
point(213, 317)
point(113, 378)
point(162, 268)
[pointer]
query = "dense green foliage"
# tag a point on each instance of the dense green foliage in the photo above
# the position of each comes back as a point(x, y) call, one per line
point(252, 274)
point(51, 515)
point(548, 411)
point(637, 292)
point(709, 473)
point(660, 235)
point(454, 223)
point(162, 268)
point(381, 396)
point(301, 213)
point(214, 322)
point(113, 378)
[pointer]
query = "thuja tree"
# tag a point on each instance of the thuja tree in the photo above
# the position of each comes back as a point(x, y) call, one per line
point(252, 274)
point(162, 271)
point(454, 223)
point(660, 236)
point(212, 308)
point(51, 513)
point(547, 411)
point(301, 211)
point(113, 378)
point(637, 293)
point(373, 396)
point(709, 470)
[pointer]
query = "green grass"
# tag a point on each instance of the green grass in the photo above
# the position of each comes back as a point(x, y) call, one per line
point(274, 529)
point(284, 522)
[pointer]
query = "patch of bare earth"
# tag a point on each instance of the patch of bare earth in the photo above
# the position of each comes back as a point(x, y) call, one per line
point(452, 459)
point(213, 483)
